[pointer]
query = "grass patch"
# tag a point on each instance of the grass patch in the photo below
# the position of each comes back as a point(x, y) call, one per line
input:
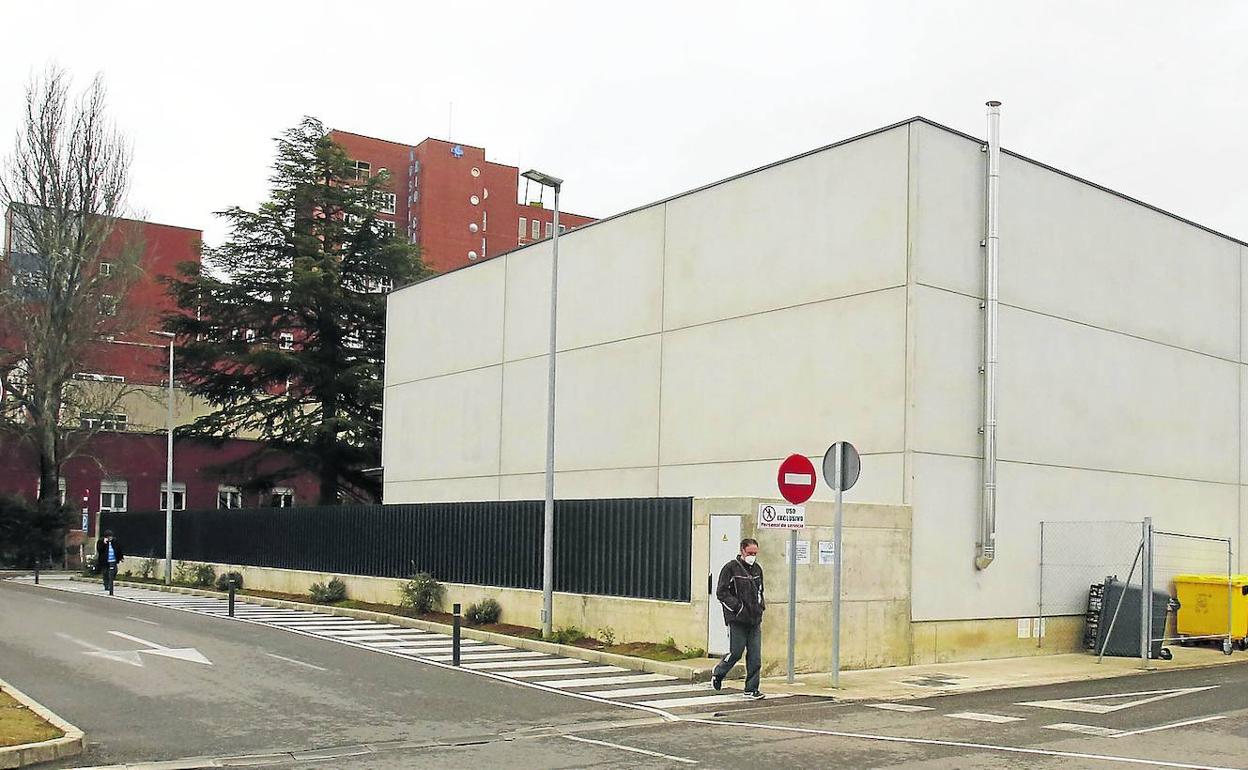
point(653, 651)
point(19, 724)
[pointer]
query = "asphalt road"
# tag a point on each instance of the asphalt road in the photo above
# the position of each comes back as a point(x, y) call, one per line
point(372, 711)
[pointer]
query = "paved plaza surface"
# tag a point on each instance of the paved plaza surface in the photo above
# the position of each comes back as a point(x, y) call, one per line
point(158, 677)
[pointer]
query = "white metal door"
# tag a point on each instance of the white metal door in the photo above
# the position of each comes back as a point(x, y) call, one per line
point(725, 544)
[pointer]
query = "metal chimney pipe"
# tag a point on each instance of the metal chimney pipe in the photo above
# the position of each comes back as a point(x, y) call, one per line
point(986, 547)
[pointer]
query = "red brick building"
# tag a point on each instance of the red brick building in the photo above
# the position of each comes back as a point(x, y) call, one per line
point(458, 206)
point(123, 466)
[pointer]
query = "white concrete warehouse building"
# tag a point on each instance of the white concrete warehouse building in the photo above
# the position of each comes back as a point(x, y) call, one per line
point(837, 295)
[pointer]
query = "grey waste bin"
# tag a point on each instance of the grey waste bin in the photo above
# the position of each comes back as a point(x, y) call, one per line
point(1125, 640)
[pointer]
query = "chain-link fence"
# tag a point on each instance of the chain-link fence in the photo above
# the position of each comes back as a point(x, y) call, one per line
point(1103, 570)
point(1198, 572)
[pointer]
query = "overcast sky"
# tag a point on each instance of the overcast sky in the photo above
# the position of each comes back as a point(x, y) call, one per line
point(634, 101)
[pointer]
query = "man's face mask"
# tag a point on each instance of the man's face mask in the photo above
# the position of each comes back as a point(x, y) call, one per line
point(751, 559)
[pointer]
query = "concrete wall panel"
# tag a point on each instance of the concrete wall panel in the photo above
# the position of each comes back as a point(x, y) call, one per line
point(432, 331)
point(827, 225)
point(622, 482)
point(623, 258)
point(949, 222)
point(528, 301)
point(1071, 250)
point(946, 386)
point(442, 490)
point(769, 385)
point(1078, 396)
point(458, 438)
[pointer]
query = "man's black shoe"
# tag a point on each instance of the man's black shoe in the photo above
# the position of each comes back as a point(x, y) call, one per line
point(717, 681)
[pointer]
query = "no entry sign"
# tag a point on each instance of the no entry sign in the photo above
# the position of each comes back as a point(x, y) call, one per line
point(796, 479)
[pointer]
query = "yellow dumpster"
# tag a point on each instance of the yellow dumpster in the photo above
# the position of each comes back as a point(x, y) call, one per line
point(1204, 601)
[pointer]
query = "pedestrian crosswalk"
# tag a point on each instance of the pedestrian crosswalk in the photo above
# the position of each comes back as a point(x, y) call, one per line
point(553, 673)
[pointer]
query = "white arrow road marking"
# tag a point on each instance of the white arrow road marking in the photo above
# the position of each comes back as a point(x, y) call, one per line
point(1169, 726)
point(128, 657)
point(189, 654)
point(1071, 727)
point(975, 716)
point(1087, 706)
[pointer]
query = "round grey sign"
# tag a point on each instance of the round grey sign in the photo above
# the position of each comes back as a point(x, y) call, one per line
point(851, 466)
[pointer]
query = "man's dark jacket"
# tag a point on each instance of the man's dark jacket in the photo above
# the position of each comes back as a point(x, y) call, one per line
point(101, 553)
point(740, 592)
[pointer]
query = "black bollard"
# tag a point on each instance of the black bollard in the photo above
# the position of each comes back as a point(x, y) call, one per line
point(231, 581)
point(455, 637)
point(36, 573)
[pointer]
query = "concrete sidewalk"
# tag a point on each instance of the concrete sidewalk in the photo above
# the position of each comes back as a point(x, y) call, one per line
point(910, 682)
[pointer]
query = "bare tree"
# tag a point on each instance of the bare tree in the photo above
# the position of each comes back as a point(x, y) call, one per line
point(70, 261)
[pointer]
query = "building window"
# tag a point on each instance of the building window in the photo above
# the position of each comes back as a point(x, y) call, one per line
point(362, 170)
point(60, 488)
point(281, 497)
point(251, 335)
point(108, 304)
point(485, 219)
point(113, 495)
point(537, 229)
point(550, 229)
point(387, 202)
point(106, 269)
point(103, 421)
point(229, 497)
point(287, 341)
point(563, 229)
point(476, 171)
point(179, 496)
point(385, 228)
point(96, 377)
point(524, 224)
point(474, 200)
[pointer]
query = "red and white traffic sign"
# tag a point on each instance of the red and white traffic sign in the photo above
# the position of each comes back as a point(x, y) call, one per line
point(796, 479)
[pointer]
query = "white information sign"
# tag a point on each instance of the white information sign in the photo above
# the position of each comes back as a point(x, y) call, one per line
point(781, 516)
point(827, 552)
point(803, 552)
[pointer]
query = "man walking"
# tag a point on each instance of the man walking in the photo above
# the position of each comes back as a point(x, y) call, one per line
point(107, 556)
point(740, 591)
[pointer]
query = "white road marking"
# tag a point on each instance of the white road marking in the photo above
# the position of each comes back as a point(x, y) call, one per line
point(414, 642)
point(907, 708)
point(296, 662)
point(663, 689)
point(1087, 705)
point(445, 652)
point(129, 657)
point(956, 744)
point(189, 654)
point(975, 716)
point(1071, 727)
point(647, 752)
point(490, 655)
point(141, 620)
point(734, 697)
point(54, 601)
point(496, 664)
point(1202, 720)
point(600, 680)
point(535, 673)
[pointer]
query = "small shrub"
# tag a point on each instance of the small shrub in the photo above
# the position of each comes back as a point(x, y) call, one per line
point(328, 593)
point(670, 642)
point(182, 573)
point(88, 565)
point(695, 652)
point(422, 593)
point(223, 582)
point(126, 573)
point(607, 635)
point(147, 568)
point(203, 575)
point(566, 635)
point(484, 611)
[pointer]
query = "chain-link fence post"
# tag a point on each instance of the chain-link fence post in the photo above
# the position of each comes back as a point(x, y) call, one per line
point(1146, 592)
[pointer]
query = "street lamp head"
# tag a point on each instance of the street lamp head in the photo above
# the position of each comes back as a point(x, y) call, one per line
point(543, 179)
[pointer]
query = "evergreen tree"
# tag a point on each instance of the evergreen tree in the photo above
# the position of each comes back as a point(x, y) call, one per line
point(283, 330)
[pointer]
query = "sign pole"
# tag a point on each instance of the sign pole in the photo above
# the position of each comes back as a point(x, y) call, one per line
point(792, 600)
point(836, 565)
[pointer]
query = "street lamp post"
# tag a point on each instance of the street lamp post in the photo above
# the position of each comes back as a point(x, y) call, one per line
point(169, 470)
point(548, 532)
